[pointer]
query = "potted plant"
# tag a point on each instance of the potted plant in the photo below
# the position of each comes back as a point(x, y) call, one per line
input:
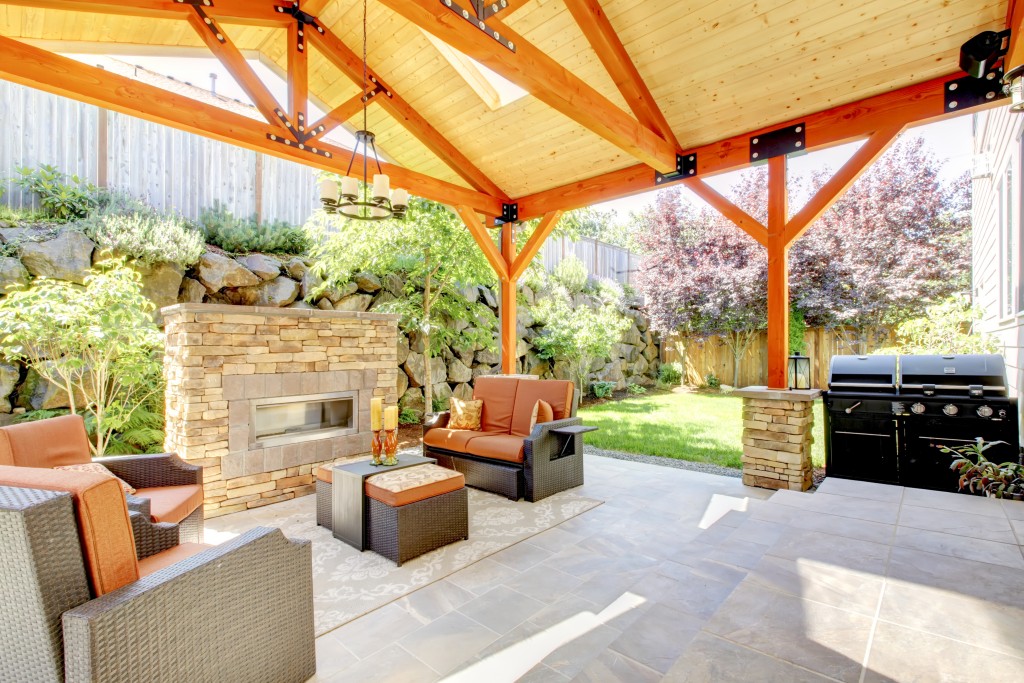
point(979, 475)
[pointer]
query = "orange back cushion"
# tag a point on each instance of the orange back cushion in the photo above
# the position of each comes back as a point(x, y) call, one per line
point(499, 397)
point(46, 443)
point(557, 392)
point(104, 527)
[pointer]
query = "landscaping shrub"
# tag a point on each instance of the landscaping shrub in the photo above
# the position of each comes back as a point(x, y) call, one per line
point(602, 389)
point(711, 381)
point(636, 389)
point(571, 274)
point(62, 197)
point(130, 228)
point(243, 236)
point(670, 374)
point(408, 416)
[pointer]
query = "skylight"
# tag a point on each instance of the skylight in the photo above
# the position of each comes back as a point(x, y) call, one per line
point(496, 91)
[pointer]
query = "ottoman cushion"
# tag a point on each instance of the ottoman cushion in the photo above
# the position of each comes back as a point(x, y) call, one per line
point(413, 484)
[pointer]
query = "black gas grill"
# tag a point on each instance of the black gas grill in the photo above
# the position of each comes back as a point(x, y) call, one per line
point(886, 417)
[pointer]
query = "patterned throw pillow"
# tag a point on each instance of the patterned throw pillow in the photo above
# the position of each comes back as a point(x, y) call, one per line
point(542, 412)
point(97, 468)
point(465, 414)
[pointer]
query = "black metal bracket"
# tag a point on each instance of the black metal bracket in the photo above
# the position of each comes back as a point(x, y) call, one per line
point(209, 23)
point(509, 214)
point(473, 18)
point(964, 93)
point(686, 167)
point(486, 9)
point(287, 142)
point(778, 143)
point(304, 19)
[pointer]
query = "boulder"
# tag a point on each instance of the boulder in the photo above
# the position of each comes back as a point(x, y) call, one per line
point(354, 302)
point(416, 341)
point(524, 317)
point(640, 366)
point(650, 352)
point(192, 291)
point(296, 268)
point(325, 304)
point(336, 294)
point(441, 392)
point(38, 393)
point(642, 380)
point(68, 256)
point(161, 283)
point(612, 373)
point(280, 292)
point(12, 272)
point(632, 336)
point(535, 366)
point(487, 357)
point(301, 304)
point(415, 368)
point(310, 282)
point(263, 266)
point(238, 296)
point(403, 349)
point(394, 284)
point(470, 293)
point(412, 400)
point(627, 351)
point(484, 370)
point(219, 272)
point(9, 375)
point(465, 354)
point(522, 347)
point(382, 299)
point(459, 372)
point(562, 370)
point(528, 294)
point(368, 282)
point(463, 392)
point(438, 371)
point(488, 297)
point(401, 384)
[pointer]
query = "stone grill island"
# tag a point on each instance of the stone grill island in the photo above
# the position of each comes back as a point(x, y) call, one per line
point(261, 396)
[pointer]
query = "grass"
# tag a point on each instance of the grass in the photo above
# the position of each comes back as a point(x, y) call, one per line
point(696, 426)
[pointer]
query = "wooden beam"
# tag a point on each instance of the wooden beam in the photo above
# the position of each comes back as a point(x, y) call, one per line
point(230, 11)
point(541, 76)
point(351, 64)
point(910, 106)
point(1015, 22)
point(533, 245)
point(483, 239)
point(298, 74)
point(509, 302)
point(609, 48)
point(844, 178)
point(314, 7)
point(778, 276)
point(35, 68)
point(225, 51)
point(741, 218)
point(337, 116)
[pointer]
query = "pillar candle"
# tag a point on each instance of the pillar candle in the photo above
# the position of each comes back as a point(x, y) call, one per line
point(391, 417)
point(349, 187)
point(381, 184)
point(376, 409)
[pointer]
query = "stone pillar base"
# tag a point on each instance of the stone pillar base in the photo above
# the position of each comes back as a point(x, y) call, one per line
point(777, 426)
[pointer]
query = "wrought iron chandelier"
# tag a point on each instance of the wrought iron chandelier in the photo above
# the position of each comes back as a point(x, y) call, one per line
point(374, 201)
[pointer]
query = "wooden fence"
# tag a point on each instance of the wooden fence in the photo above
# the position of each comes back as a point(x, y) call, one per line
point(699, 357)
point(601, 259)
point(170, 169)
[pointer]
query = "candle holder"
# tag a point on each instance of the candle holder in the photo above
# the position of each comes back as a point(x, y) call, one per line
point(376, 446)
point(390, 447)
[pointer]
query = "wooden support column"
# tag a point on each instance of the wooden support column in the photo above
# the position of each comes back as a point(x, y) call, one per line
point(509, 338)
point(298, 75)
point(778, 275)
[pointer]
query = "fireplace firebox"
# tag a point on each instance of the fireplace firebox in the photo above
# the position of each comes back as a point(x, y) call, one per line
point(293, 419)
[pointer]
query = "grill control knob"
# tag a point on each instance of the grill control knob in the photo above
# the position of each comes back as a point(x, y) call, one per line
point(984, 411)
point(950, 409)
point(917, 408)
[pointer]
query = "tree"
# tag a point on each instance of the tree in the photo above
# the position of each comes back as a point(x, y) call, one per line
point(437, 256)
point(604, 226)
point(98, 343)
point(946, 327)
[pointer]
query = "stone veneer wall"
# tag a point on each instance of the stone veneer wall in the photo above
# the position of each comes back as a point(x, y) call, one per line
point(777, 426)
point(219, 357)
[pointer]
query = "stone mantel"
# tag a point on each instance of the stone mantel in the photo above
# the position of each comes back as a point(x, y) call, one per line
point(274, 311)
point(778, 394)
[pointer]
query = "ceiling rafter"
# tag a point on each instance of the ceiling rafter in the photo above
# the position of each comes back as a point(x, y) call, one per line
point(298, 75)
point(250, 12)
point(601, 35)
point(339, 115)
point(543, 77)
point(30, 66)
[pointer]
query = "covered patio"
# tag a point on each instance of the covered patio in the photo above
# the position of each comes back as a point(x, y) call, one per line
point(643, 573)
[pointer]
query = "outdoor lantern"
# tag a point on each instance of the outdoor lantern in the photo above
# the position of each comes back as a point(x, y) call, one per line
point(799, 372)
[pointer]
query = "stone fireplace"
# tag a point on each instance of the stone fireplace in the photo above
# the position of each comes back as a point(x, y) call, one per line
point(262, 396)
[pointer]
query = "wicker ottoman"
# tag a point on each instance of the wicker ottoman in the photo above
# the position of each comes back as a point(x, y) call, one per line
point(324, 485)
point(415, 510)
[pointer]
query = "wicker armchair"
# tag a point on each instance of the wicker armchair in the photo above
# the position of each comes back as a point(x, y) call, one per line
point(240, 611)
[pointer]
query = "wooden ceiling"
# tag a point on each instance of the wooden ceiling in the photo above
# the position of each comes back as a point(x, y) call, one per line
point(714, 69)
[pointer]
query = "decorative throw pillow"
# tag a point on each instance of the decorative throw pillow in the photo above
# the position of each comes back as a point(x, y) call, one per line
point(542, 412)
point(97, 468)
point(465, 414)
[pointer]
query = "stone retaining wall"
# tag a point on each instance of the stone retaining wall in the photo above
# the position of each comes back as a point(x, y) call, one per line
point(777, 438)
point(220, 357)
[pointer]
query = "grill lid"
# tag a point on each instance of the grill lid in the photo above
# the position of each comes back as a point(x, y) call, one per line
point(955, 375)
point(863, 374)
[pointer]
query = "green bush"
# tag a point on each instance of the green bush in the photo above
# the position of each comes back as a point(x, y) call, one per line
point(602, 389)
point(408, 416)
point(636, 389)
point(243, 236)
point(670, 374)
point(139, 232)
point(571, 274)
point(61, 196)
point(797, 330)
point(439, 404)
point(711, 380)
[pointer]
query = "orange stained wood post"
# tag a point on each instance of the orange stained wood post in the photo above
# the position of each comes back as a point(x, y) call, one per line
point(298, 75)
point(778, 275)
point(1015, 50)
point(509, 338)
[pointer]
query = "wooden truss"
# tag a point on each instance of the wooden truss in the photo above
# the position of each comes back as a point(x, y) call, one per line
point(643, 133)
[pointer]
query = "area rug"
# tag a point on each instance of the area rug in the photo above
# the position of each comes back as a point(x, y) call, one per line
point(347, 584)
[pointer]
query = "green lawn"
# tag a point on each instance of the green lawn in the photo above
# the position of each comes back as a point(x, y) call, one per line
point(703, 427)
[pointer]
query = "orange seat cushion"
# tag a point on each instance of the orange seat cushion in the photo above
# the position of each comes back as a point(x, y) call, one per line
point(166, 558)
point(45, 443)
point(558, 393)
point(413, 484)
point(498, 447)
point(452, 439)
point(104, 527)
point(499, 397)
point(172, 503)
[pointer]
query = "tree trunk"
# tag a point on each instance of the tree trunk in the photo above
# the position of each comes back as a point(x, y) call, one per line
point(428, 393)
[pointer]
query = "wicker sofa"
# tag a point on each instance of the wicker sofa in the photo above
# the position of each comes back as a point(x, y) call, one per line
point(169, 492)
point(79, 605)
point(507, 457)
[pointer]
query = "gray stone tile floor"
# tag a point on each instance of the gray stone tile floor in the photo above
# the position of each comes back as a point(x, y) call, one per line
point(683, 576)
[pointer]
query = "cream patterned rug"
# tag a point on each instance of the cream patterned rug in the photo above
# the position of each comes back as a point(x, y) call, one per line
point(348, 584)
